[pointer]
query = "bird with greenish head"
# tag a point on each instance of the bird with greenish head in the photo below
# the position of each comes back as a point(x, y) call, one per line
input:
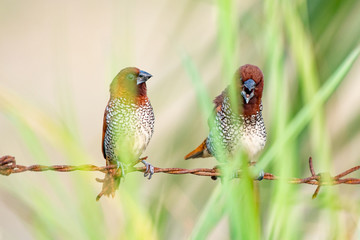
point(128, 126)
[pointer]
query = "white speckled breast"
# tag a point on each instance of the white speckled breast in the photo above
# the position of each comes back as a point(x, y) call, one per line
point(237, 131)
point(129, 126)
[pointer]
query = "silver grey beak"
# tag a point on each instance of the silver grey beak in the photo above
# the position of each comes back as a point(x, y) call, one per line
point(248, 90)
point(143, 77)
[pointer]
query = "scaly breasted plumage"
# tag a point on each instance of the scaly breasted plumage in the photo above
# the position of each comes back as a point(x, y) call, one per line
point(234, 128)
point(128, 125)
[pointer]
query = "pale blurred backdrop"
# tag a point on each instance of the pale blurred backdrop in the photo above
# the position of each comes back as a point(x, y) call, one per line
point(57, 59)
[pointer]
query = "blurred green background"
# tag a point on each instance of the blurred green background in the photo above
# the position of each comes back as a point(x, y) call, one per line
point(57, 59)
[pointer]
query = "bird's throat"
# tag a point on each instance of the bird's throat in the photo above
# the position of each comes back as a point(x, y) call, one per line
point(251, 108)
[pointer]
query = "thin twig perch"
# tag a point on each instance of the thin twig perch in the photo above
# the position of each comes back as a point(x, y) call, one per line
point(8, 166)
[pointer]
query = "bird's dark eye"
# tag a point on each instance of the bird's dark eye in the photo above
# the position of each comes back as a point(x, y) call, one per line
point(130, 76)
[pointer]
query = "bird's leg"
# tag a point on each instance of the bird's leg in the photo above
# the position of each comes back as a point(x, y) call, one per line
point(149, 169)
point(122, 167)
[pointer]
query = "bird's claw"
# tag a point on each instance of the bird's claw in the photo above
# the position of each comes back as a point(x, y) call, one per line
point(261, 175)
point(149, 171)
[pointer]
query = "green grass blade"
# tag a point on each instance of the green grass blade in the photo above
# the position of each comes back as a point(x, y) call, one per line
point(200, 88)
point(304, 116)
point(210, 216)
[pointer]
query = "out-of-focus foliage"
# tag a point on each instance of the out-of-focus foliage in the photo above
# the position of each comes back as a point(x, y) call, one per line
point(57, 60)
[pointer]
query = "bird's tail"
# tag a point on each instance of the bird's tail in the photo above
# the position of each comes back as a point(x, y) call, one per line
point(199, 152)
point(110, 183)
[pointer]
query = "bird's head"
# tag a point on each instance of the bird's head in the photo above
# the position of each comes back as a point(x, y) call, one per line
point(129, 83)
point(249, 83)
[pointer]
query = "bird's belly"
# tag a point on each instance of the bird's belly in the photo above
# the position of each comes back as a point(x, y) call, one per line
point(142, 139)
point(252, 144)
point(129, 129)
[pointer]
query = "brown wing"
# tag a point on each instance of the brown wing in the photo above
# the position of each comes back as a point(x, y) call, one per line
point(218, 103)
point(219, 100)
point(103, 133)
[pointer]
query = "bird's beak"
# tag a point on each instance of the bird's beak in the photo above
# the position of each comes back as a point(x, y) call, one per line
point(143, 77)
point(248, 90)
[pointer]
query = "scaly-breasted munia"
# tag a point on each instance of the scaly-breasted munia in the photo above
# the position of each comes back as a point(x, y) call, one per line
point(127, 127)
point(243, 128)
